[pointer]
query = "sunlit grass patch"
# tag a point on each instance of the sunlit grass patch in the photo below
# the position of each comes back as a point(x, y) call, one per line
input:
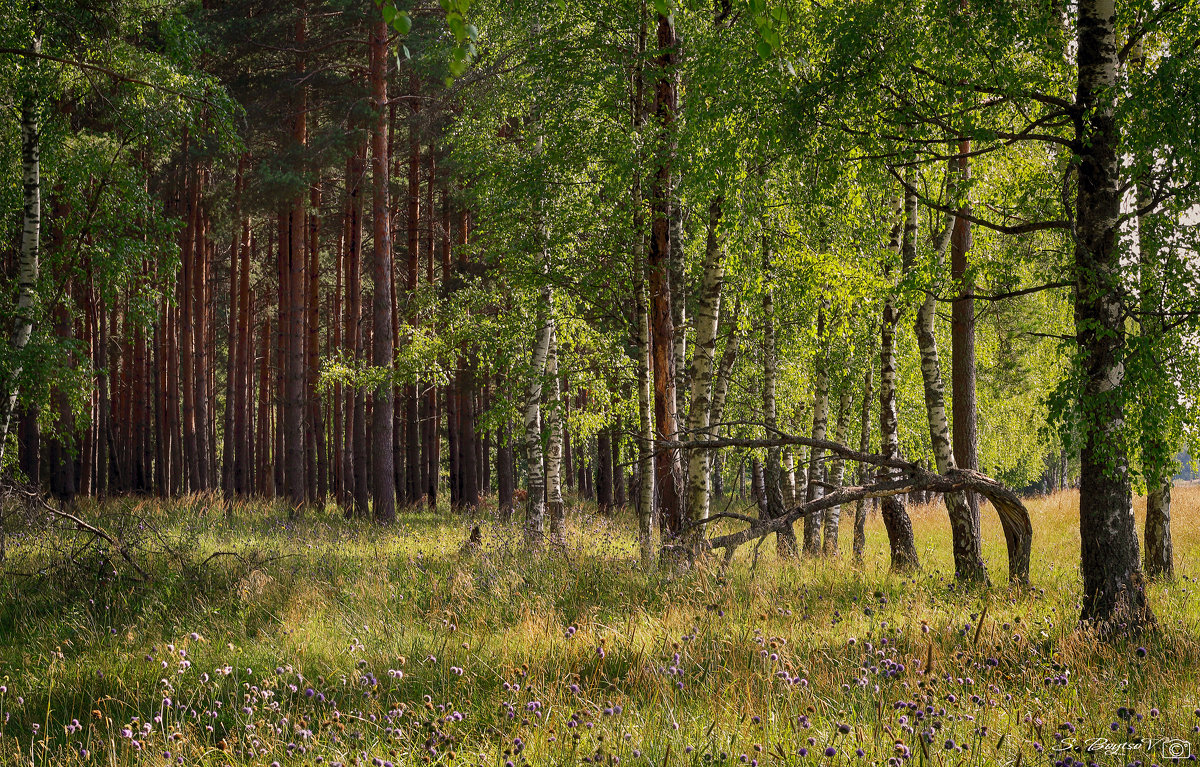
point(325, 641)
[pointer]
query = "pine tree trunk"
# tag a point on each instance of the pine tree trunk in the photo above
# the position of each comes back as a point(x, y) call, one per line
point(355, 469)
point(383, 496)
point(429, 418)
point(245, 381)
point(319, 460)
point(964, 412)
point(233, 358)
point(668, 469)
point(186, 328)
point(200, 329)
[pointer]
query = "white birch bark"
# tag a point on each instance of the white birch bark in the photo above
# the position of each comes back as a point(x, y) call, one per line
point(967, 547)
point(700, 373)
point(645, 443)
point(813, 522)
point(31, 232)
point(833, 515)
point(895, 518)
point(720, 387)
point(864, 472)
point(535, 504)
point(554, 451)
point(785, 540)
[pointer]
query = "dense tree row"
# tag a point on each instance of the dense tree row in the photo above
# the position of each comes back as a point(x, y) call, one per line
point(364, 254)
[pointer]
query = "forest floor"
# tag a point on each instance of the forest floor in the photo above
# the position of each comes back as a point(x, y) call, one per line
point(328, 642)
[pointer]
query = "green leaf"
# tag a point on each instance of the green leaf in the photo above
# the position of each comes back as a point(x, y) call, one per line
point(458, 61)
point(457, 26)
point(403, 23)
point(662, 8)
point(764, 50)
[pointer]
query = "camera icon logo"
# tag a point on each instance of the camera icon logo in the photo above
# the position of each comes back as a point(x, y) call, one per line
point(1173, 748)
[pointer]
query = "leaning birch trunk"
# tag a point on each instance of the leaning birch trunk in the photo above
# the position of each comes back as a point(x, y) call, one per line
point(833, 516)
point(31, 233)
point(864, 471)
point(812, 523)
point(785, 540)
point(535, 507)
point(698, 461)
point(895, 517)
point(554, 453)
point(968, 553)
point(968, 550)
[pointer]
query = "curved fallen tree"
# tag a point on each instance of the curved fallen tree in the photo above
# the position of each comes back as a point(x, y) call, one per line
point(1014, 517)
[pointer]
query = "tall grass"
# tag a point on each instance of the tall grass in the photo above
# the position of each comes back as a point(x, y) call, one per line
point(325, 641)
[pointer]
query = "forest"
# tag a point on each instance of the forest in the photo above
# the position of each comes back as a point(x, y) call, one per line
point(669, 382)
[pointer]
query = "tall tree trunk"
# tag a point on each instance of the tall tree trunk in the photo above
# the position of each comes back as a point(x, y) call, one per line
point(964, 412)
point(31, 232)
point(356, 403)
point(233, 359)
point(604, 476)
point(813, 522)
point(505, 465)
point(645, 443)
point(535, 517)
point(967, 545)
point(429, 420)
point(668, 469)
point(383, 495)
point(833, 515)
point(412, 434)
point(895, 517)
point(186, 326)
point(244, 386)
point(201, 357)
point(1157, 452)
point(1114, 595)
point(319, 460)
point(785, 541)
point(707, 315)
point(554, 421)
point(720, 387)
point(618, 471)
point(292, 243)
point(864, 472)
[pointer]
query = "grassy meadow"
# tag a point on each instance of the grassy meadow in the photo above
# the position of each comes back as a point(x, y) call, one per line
point(264, 642)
